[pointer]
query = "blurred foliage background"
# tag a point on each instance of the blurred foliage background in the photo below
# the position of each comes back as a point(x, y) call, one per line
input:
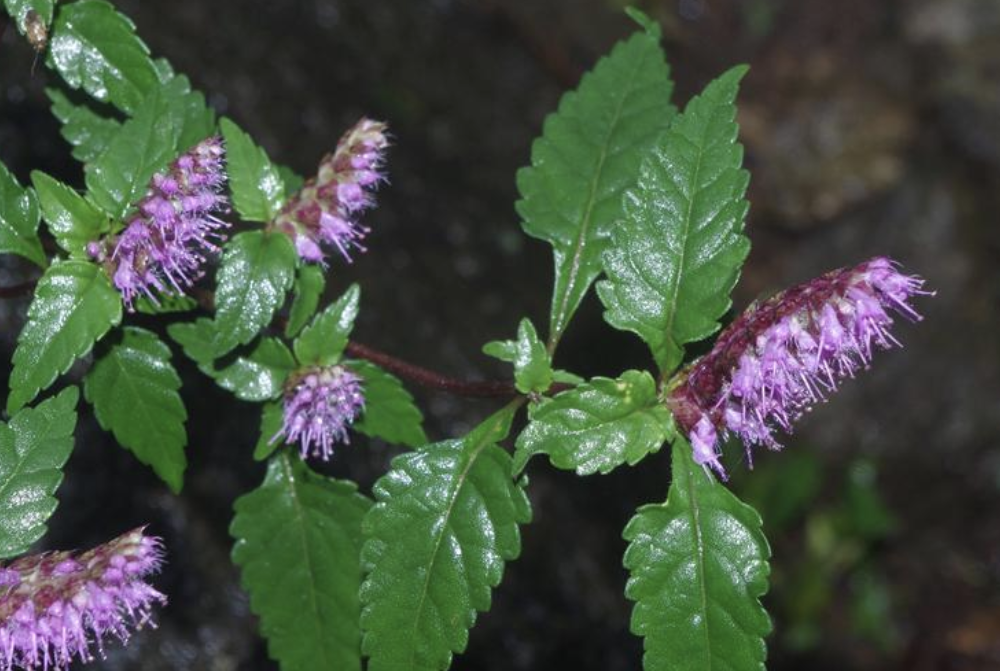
point(870, 128)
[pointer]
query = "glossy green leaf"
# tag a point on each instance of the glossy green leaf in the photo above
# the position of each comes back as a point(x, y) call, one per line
point(598, 426)
point(19, 220)
point(34, 446)
point(260, 375)
point(74, 306)
point(324, 339)
point(72, 220)
point(134, 390)
point(146, 143)
point(698, 567)
point(505, 350)
point(588, 154)
point(445, 521)
point(198, 340)
point(195, 118)
point(390, 413)
point(298, 540)
point(271, 417)
point(532, 366)
point(679, 249)
point(86, 131)
point(95, 48)
point(257, 187)
point(309, 286)
point(19, 9)
point(257, 270)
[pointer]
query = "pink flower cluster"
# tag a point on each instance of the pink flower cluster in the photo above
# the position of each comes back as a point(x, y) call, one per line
point(325, 211)
point(320, 404)
point(55, 606)
point(779, 358)
point(164, 245)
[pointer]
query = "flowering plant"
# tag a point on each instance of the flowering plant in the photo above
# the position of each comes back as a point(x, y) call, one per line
point(645, 201)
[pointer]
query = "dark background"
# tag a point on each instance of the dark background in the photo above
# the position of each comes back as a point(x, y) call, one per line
point(870, 128)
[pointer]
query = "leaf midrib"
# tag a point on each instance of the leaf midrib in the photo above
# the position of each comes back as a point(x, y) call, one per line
point(488, 439)
point(559, 325)
point(695, 517)
point(290, 478)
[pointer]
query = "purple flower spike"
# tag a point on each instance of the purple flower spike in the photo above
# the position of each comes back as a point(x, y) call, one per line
point(54, 606)
point(320, 403)
point(778, 359)
point(171, 230)
point(325, 211)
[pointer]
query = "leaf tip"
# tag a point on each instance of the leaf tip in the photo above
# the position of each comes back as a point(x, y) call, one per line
point(651, 27)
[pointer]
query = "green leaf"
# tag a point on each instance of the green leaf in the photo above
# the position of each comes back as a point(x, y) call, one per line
point(588, 154)
point(324, 340)
point(679, 249)
point(698, 566)
point(195, 117)
point(390, 413)
point(146, 143)
point(257, 187)
point(505, 350)
point(34, 446)
point(445, 521)
point(309, 286)
point(260, 375)
point(532, 366)
point(95, 48)
point(165, 305)
point(19, 10)
point(598, 426)
point(74, 306)
point(19, 220)
point(291, 179)
point(87, 132)
point(257, 270)
point(197, 339)
point(298, 540)
point(271, 417)
point(133, 388)
point(72, 220)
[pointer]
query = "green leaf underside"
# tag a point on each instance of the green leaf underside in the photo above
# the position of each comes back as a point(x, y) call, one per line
point(445, 520)
point(390, 413)
point(323, 340)
point(86, 131)
point(34, 446)
point(260, 375)
point(678, 252)
point(74, 306)
point(271, 417)
point(257, 187)
point(19, 10)
point(598, 426)
point(95, 48)
point(298, 541)
point(72, 220)
point(19, 220)
point(698, 567)
point(587, 156)
point(169, 120)
point(257, 270)
point(134, 390)
point(309, 286)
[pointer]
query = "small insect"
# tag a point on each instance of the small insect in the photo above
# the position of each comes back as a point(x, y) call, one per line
point(36, 31)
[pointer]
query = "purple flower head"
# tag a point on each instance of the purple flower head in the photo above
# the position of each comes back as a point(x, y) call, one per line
point(320, 403)
point(54, 606)
point(324, 212)
point(172, 229)
point(779, 358)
